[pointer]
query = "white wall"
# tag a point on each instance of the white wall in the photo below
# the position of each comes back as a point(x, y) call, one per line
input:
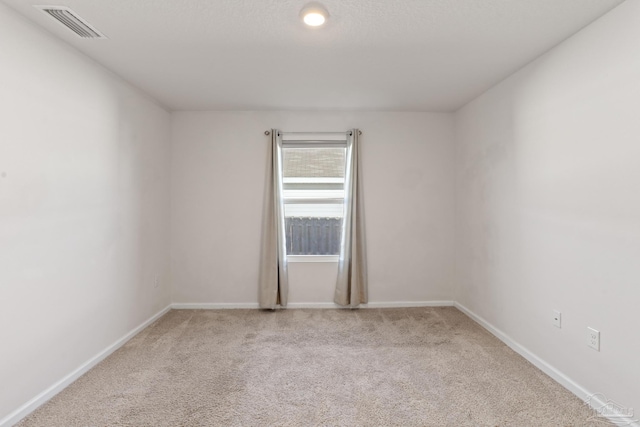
point(548, 205)
point(218, 173)
point(83, 210)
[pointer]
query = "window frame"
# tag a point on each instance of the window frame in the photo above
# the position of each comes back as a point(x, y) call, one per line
point(309, 140)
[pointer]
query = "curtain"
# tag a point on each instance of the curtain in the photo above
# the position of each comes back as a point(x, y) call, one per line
point(273, 284)
point(351, 286)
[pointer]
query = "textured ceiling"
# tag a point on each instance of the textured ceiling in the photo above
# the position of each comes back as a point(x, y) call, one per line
point(423, 55)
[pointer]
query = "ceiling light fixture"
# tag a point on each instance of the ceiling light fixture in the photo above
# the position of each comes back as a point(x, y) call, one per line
point(314, 14)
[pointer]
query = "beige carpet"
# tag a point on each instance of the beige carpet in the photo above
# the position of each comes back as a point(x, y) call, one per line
point(369, 367)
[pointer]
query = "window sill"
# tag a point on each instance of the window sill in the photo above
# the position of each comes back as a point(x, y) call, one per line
point(312, 258)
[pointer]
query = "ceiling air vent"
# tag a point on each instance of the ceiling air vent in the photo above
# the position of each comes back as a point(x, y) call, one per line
point(72, 21)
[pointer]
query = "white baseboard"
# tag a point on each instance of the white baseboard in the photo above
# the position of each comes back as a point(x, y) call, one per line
point(56, 388)
point(249, 305)
point(392, 304)
point(313, 305)
point(213, 305)
point(377, 304)
point(595, 402)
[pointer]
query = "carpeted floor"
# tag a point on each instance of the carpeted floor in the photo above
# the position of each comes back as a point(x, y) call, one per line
point(369, 367)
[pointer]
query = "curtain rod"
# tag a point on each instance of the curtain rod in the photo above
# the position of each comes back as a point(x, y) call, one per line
point(268, 132)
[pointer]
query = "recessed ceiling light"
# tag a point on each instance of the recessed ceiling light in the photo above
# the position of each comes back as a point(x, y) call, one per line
point(314, 14)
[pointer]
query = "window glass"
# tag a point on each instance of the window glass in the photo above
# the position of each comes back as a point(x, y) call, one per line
point(313, 190)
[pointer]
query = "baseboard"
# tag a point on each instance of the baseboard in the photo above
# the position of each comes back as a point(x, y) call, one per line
point(313, 305)
point(248, 305)
point(392, 304)
point(56, 388)
point(590, 398)
point(213, 305)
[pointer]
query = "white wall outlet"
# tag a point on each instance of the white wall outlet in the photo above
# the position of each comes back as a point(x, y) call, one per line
point(593, 339)
point(557, 319)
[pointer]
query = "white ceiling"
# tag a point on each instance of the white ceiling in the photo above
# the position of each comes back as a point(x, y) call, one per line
point(421, 55)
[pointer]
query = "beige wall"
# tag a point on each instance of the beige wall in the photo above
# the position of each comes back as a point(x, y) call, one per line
point(84, 202)
point(218, 171)
point(548, 205)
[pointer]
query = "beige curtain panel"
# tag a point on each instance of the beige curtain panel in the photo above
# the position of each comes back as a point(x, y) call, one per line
point(273, 284)
point(351, 286)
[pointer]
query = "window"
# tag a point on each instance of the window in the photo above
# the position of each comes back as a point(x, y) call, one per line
point(312, 177)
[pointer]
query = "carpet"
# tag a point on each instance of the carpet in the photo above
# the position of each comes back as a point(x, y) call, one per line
point(304, 367)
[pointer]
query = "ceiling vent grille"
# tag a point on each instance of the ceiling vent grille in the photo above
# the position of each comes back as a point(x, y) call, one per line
point(72, 21)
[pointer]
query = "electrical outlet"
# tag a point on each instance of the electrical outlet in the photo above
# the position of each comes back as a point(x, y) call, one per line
point(593, 339)
point(557, 319)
